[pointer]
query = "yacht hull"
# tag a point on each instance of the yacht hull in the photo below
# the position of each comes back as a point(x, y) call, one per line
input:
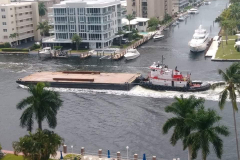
point(131, 57)
point(198, 48)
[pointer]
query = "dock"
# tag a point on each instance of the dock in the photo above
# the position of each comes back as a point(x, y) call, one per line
point(83, 79)
point(213, 47)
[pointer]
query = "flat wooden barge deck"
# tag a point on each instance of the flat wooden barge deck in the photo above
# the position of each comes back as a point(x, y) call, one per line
point(88, 80)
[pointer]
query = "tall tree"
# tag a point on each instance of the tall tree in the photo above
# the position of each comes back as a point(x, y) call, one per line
point(76, 39)
point(38, 146)
point(42, 9)
point(41, 104)
point(181, 109)
point(14, 36)
point(205, 132)
point(129, 18)
point(232, 79)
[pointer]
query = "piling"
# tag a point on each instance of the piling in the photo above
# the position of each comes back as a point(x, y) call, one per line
point(64, 148)
point(100, 153)
point(154, 158)
point(118, 156)
point(82, 151)
point(135, 157)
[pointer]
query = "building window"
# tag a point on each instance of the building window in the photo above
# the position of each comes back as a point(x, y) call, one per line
point(12, 22)
point(3, 16)
point(20, 14)
point(3, 10)
point(11, 15)
point(10, 8)
point(5, 37)
point(13, 29)
point(4, 30)
point(30, 6)
point(20, 8)
point(26, 6)
point(4, 23)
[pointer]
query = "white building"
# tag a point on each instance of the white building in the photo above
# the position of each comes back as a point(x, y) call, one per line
point(179, 5)
point(96, 21)
point(141, 24)
point(21, 18)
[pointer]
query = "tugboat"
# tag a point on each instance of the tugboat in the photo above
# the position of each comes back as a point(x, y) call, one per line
point(164, 78)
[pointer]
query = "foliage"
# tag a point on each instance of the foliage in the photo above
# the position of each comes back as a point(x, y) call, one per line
point(194, 126)
point(44, 28)
point(232, 78)
point(0, 147)
point(42, 9)
point(205, 131)
point(129, 18)
point(35, 46)
point(41, 104)
point(7, 45)
point(69, 156)
point(153, 22)
point(57, 47)
point(38, 146)
point(14, 50)
point(76, 39)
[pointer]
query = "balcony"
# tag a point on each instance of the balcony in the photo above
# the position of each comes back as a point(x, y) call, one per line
point(23, 10)
point(60, 22)
point(94, 22)
point(24, 23)
point(27, 35)
point(26, 29)
point(60, 31)
point(25, 16)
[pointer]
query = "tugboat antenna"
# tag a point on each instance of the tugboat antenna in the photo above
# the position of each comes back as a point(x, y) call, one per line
point(162, 59)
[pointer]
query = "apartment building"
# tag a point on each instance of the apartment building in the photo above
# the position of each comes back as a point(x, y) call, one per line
point(21, 18)
point(96, 21)
point(149, 8)
point(48, 4)
point(179, 5)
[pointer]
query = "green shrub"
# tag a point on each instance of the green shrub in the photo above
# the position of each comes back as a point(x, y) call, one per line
point(35, 46)
point(2, 45)
point(14, 50)
point(7, 45)
point(57, 47)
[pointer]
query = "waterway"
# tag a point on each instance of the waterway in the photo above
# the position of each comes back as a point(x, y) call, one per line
point(116, 119)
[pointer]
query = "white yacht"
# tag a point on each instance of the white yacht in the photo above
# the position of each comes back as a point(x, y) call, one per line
point(158, 36)
point(45, 51)
point(193, 11)
point(131, 54)
point(200, 40)
point(182, 18)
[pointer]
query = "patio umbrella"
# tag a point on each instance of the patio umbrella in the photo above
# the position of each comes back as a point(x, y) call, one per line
point(108, 154)
point(144, 156)
point(61, 155)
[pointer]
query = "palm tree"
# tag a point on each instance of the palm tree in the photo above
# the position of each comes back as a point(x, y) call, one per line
point(41, 27)
point(129, 18)
point(42, 9)
point(14, 36)
point(41, 104)
point(232, 79)
point(204, 132)
point(181, 109)
point(76, 39)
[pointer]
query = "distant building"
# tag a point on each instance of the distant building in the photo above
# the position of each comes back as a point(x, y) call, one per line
point(149, 8)
point(179, 5)
point(48, 4)
point(96, 22)
point(21, 18)
point(141, 24)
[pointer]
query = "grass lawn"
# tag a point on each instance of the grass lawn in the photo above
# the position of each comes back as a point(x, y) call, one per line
point(229, 37)
point(227, 51)
point(13, 157)
point(125, 45)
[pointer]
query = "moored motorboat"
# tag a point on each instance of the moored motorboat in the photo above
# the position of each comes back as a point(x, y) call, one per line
point(166, 29)
point(158, 36)
point(182, 18)
point(45, 51)
point(207, 2)
point(131, 54)
point(200, 40)
point(193, 11)
point(163, 78)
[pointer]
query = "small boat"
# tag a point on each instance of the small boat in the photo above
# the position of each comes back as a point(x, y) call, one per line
point(131, 54)
point(166, 29)
point(45, 51)
point(193, 11)
point(163, 78)
point(200, 40)
point(158, 36)
point(174, 24)
point(181, 18)
point(207, 2)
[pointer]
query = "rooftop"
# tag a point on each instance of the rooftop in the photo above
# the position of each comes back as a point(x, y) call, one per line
point(17, 4)
point(134, 21)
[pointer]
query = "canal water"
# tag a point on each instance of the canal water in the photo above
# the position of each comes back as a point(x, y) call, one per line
point(112, 120)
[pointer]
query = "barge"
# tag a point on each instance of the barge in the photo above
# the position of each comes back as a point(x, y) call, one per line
point(86, 80)
point(163, 78)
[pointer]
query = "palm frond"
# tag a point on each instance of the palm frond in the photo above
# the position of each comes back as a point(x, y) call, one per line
point(224, 75)
point(170, 123)
point(222, 130)
point(222, 98)
point(25, 102)
point(219, 84)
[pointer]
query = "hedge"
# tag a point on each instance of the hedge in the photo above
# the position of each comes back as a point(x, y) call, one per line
point(57, 47)
point(5, 45)
point(14, 50)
